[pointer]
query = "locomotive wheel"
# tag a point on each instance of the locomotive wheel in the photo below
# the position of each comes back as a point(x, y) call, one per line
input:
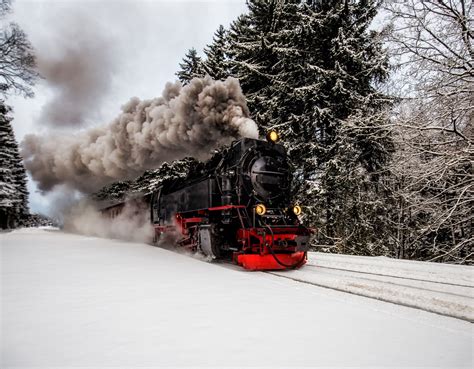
point(209, 241)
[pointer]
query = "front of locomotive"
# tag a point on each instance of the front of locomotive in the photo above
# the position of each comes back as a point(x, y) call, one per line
point(273, 237)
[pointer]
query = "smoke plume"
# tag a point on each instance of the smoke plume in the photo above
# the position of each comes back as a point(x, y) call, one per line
point(186, 121)
point(77, 62)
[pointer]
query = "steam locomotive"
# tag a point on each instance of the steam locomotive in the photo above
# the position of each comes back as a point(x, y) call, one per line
point(236, 207)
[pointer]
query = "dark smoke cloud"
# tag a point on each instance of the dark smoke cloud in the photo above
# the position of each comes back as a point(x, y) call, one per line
point(185, 121)
point(77, 62)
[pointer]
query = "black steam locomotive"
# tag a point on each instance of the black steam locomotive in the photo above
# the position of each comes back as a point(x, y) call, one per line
point(236, 207)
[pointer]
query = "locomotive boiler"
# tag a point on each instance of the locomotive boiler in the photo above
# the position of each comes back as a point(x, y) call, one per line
point(236, 207)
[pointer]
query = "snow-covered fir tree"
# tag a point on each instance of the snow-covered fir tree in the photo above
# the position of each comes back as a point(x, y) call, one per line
point(216, 62)
point(251, 59)
point(13, 191)
point(190, 67)
point(309, 69)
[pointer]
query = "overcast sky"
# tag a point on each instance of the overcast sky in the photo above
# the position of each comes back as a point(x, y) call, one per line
point(130, 48)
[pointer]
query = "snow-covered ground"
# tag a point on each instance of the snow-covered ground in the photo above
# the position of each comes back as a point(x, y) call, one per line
point(441, 288)
point(69, 300)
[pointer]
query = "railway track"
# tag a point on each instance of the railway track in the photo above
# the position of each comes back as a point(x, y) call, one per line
point(442, 289)
point(390, 276)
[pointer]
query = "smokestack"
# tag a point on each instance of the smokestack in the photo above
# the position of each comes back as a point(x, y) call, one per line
point(186, 121)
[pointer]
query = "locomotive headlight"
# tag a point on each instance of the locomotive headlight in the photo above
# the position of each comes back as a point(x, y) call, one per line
point(297, 209)
point(272, 136)
point(260, 209)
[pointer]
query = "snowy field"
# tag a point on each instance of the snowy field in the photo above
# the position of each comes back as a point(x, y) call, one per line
point(69, 300)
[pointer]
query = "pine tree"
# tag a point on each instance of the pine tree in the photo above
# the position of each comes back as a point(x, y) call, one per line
point(191, 67)
point(252, 56)
point(347, 125)
point(13, 191)
point(310, 69)
point(216, 64)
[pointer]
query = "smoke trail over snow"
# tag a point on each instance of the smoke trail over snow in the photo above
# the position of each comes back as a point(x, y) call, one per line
point(60, 201)
point(132, 224)
point(186, 121)
point(77, 62)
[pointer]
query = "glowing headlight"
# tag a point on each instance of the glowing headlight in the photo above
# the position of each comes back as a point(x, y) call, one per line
point(260, 209)
point(272, 136)
point(297, 209)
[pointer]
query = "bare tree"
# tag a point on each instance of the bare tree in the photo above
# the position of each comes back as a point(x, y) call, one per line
point(17, 61)
point(434, 180)
point(434, 42)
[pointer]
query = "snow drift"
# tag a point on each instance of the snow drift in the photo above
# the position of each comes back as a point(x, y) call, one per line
point(186, 121)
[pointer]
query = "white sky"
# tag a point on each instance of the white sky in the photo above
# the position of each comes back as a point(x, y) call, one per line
point(150, 39)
